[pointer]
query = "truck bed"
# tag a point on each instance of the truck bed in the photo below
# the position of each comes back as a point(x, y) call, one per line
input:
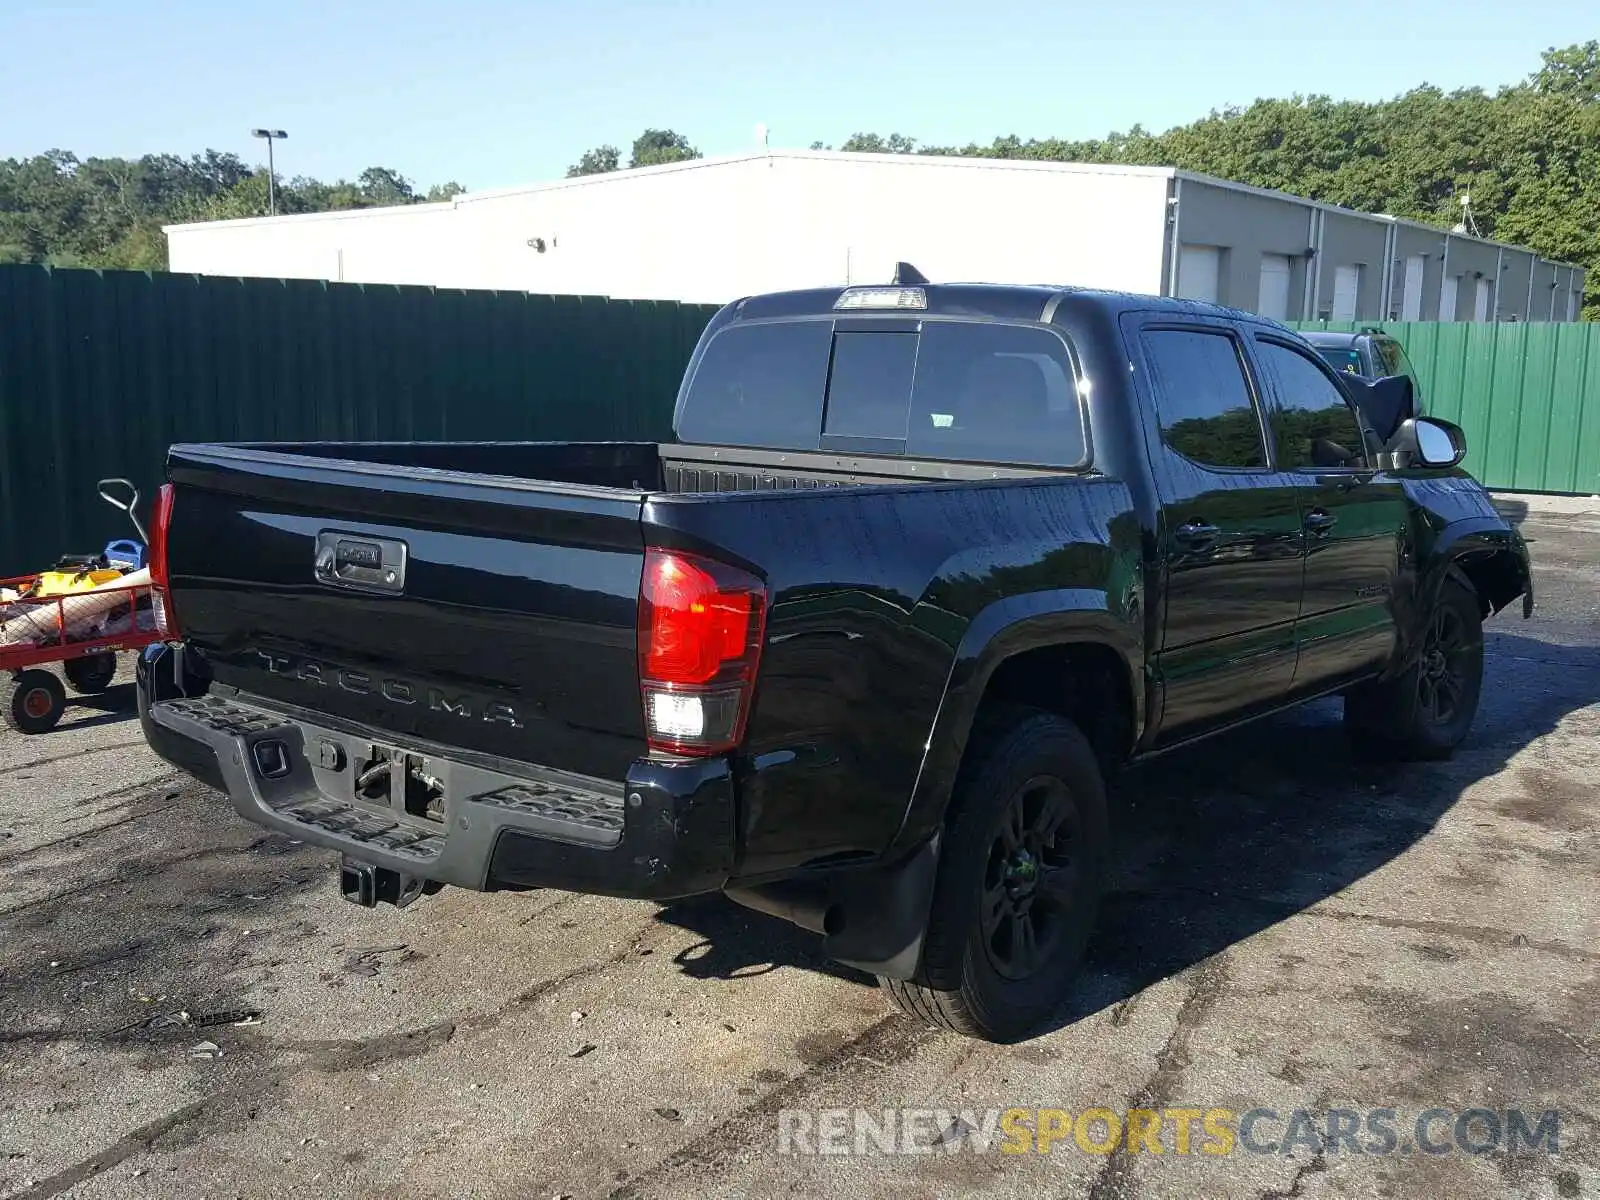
point(515, 575)
point(646, 466)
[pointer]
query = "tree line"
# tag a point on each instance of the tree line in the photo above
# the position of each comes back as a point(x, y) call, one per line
point(108, 212)
point(1528, 154)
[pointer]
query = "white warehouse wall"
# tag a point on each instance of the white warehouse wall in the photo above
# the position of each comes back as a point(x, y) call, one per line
point(401, 242)
point(712, 230)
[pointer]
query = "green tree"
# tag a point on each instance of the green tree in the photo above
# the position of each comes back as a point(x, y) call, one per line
point(108, 212)
point(599, 161)
point(1573, 72)
point(872, 143)
point(381, 186)
point(654, 147)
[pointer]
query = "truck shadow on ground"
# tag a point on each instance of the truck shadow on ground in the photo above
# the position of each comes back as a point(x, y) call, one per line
point(1225, 839)
point(120, 702)
point(1513, 510)
point(739, 942)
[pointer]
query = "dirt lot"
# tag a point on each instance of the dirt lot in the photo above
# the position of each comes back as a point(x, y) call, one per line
point(1288, 930)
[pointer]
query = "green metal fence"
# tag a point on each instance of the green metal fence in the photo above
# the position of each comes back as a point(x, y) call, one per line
point(101, 370)
point(1527, 395)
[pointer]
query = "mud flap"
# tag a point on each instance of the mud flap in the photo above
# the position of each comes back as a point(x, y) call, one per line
point(886, 915)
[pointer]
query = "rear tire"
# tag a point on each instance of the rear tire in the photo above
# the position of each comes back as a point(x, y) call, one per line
point(33, 701)
point(1018, 888)
point(91, 675)
point(1425, 711)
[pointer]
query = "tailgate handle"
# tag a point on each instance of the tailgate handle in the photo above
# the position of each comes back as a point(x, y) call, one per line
point(361, 563)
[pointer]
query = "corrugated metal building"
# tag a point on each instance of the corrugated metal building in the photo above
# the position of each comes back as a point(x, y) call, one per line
point(710, 230)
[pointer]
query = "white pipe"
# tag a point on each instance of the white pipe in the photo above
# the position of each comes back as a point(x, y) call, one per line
point(1444, 273)
point(71, 615)
point(1175, 245)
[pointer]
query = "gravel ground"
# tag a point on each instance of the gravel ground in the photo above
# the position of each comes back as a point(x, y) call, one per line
point(188, 1009)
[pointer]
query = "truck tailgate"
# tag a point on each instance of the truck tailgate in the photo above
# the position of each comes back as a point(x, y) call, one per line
point(485, 613)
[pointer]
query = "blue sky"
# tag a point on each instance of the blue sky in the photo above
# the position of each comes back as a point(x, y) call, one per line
point(493, 92)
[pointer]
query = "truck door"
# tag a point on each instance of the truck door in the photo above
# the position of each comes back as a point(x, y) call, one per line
point(1354, 518)
point(1228, 536)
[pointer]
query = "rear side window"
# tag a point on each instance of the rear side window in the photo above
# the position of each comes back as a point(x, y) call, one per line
point(760, 385)
point(1203, 399)
point(995, 393)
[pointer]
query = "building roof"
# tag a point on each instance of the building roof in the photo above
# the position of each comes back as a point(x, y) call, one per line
point(465, 199)
point(702, 164)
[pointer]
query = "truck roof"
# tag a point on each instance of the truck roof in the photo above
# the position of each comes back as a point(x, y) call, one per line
point(1003, 302)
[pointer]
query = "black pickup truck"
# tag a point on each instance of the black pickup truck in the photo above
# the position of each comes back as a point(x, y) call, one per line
point(859, 648)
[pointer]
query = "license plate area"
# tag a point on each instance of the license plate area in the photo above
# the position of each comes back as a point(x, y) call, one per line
point(405, 783)
point(428, 793)
point(387, 792)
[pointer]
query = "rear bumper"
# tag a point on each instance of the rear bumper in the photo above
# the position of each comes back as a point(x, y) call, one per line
point(664, 832)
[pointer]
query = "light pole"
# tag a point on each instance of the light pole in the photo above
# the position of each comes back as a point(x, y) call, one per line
point(272, 170)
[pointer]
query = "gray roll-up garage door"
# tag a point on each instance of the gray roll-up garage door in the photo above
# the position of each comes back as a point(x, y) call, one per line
point(1199, 271)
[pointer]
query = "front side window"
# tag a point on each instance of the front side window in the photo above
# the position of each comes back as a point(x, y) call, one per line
point(1314, 426)
point(1203, 398)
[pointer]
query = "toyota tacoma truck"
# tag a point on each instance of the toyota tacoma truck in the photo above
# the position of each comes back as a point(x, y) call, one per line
point(860, 647)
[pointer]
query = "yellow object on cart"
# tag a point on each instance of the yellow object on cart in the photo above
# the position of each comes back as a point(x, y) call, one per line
point(67, 583)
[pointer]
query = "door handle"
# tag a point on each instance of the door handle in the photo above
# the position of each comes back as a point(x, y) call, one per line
point(1344, 483)
point(1319, 522)
point(1196, 535)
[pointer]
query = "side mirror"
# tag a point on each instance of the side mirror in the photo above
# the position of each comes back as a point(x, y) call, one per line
point(1428, 442)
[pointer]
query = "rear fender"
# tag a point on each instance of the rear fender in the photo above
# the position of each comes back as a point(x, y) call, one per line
point(1000, 632)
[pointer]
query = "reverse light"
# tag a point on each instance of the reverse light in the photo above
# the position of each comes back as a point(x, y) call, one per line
point(674, 714)
point(166, 622)
point(701, 625)
point(882, 297)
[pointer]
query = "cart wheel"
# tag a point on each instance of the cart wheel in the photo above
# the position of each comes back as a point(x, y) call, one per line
point(92, 674)
point(35, 702)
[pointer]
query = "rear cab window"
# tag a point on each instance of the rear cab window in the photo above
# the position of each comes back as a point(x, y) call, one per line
point(760, 386)
point(962, 391)
point(869, 387)
point(995, 393)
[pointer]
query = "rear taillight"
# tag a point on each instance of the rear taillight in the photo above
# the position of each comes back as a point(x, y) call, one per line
point(700, 630)
point(166, 624)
